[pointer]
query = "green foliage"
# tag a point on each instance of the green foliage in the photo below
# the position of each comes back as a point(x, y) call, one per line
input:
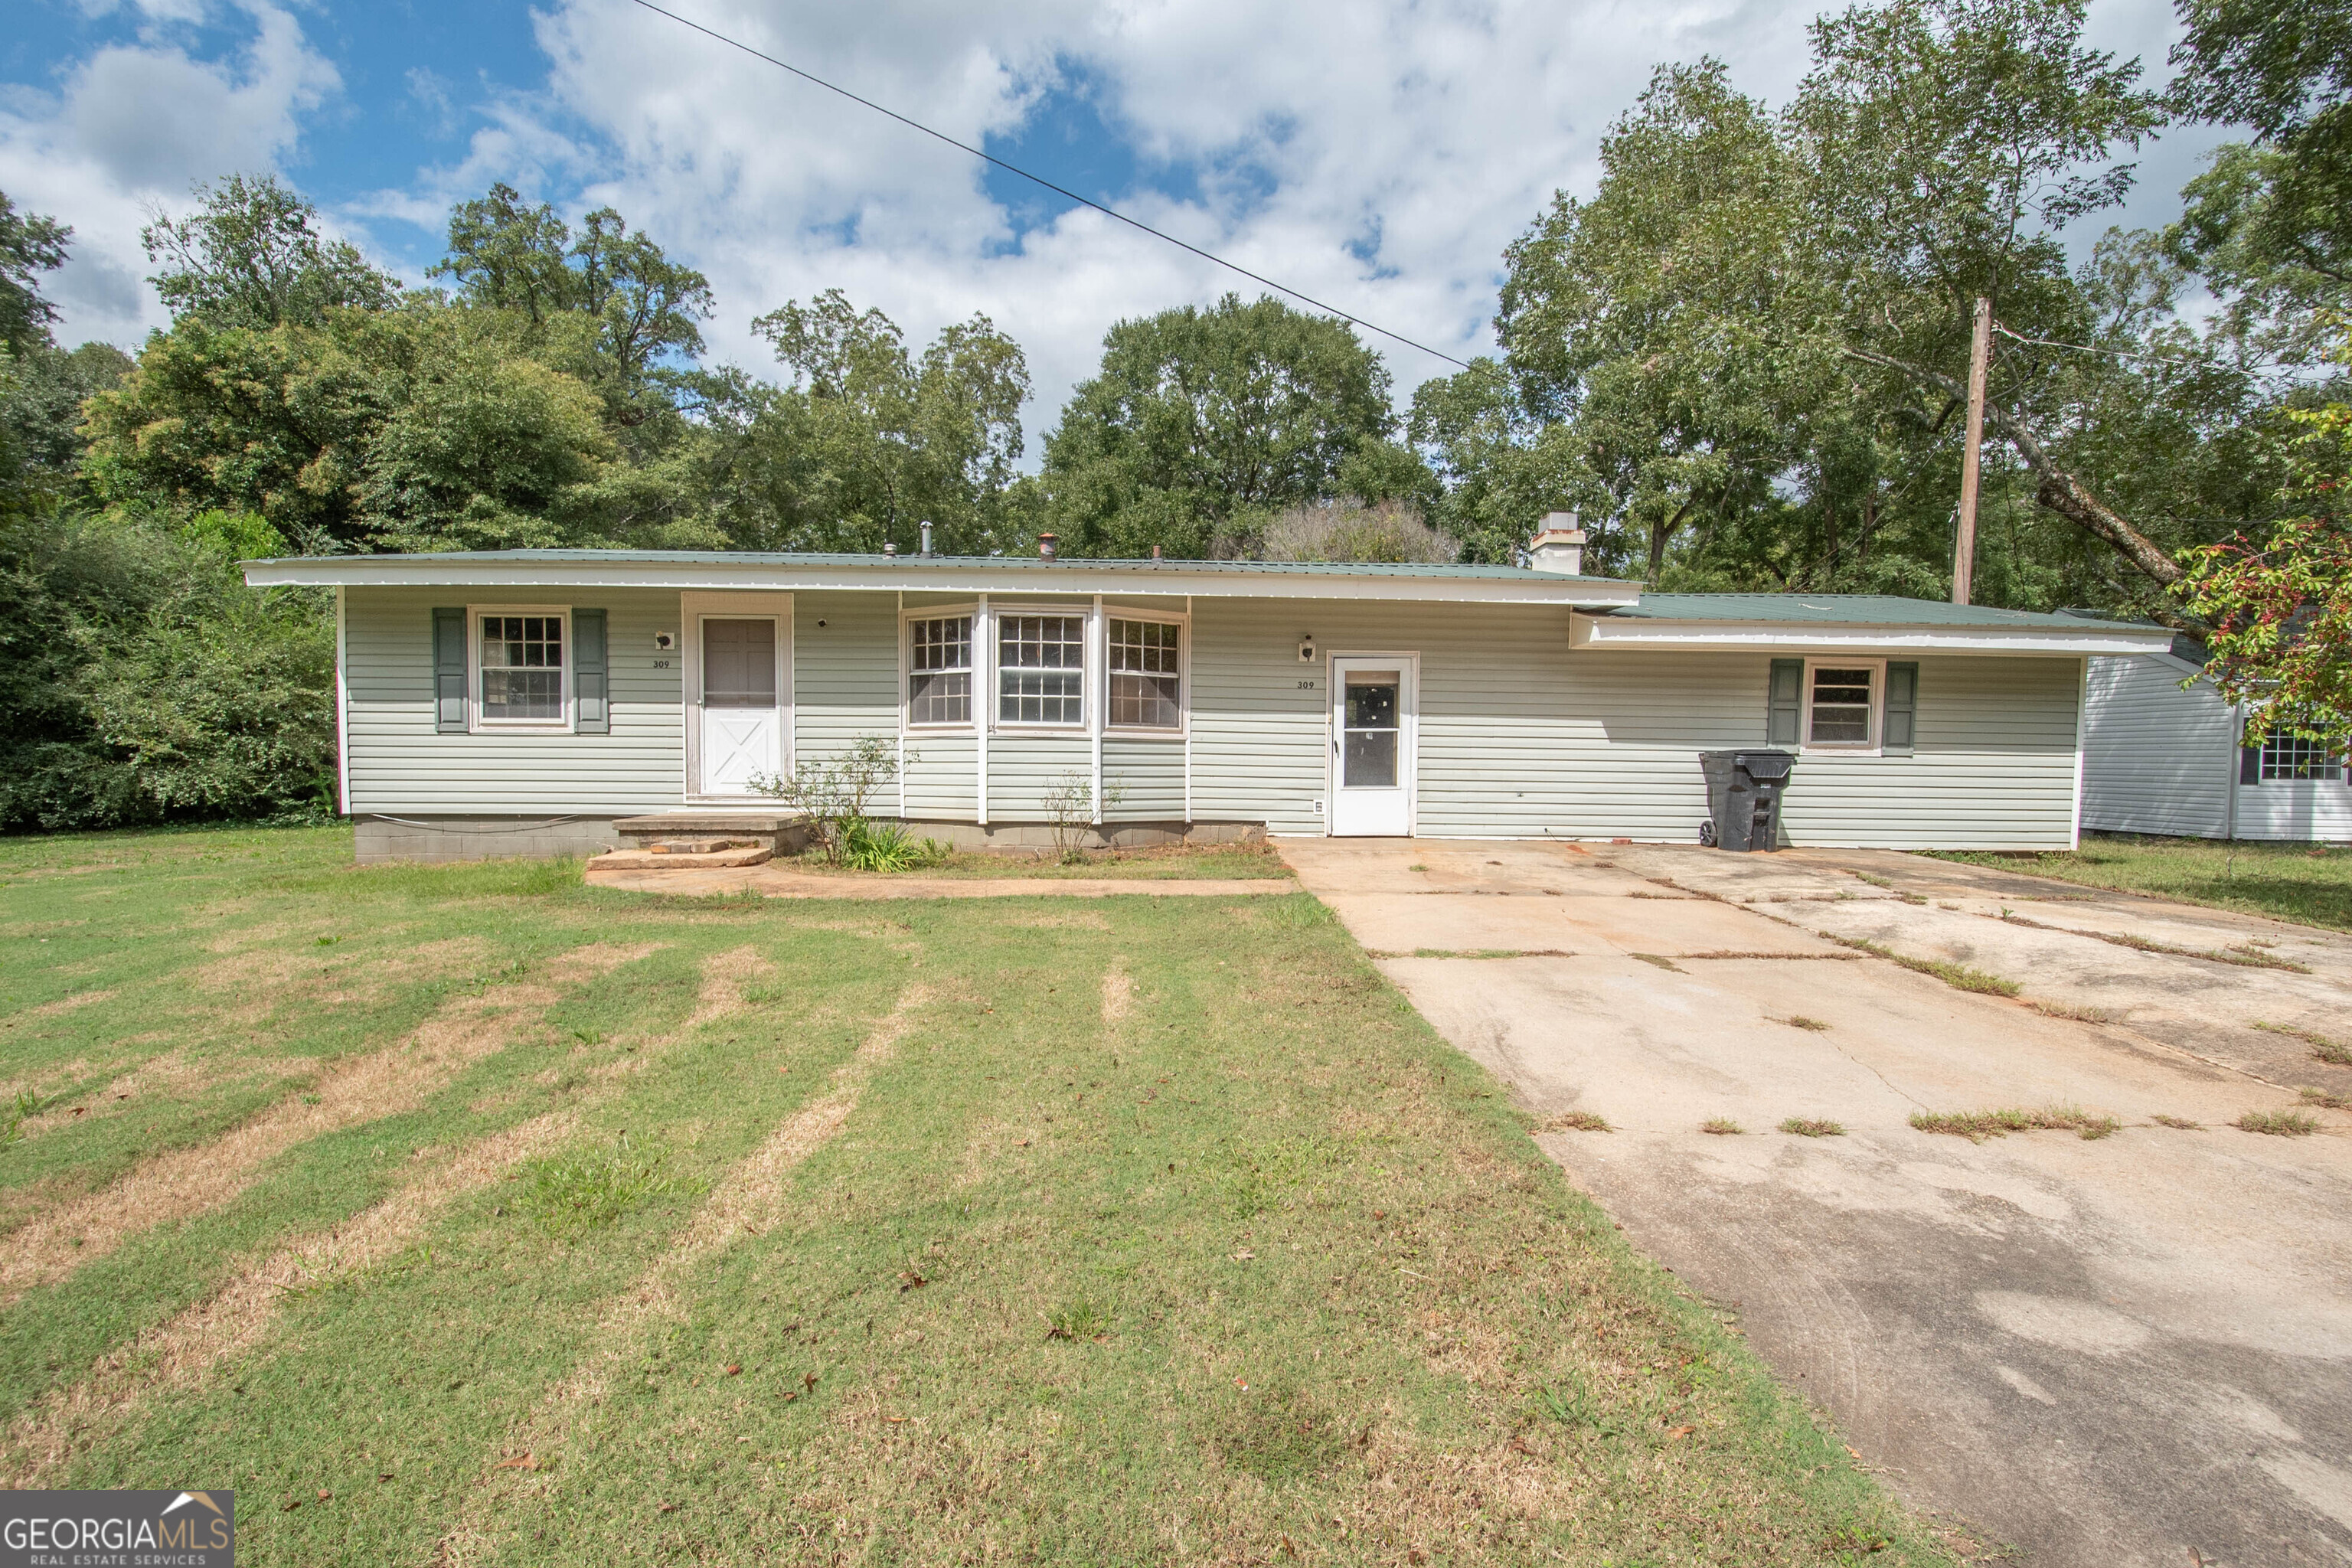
point(251, 255)
point(1349, 529)
point(2279, 603)
point(886, 846)
point(1199, 417)
point(867, 442)
point(583, 1190)
point(144, 682)
point(834, 793)
point(30, 244)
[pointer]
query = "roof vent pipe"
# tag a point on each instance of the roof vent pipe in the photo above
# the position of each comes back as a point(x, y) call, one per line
point(1155, 552)
point(927, 536)
point(1557, 546)
point(1046, 543)
point(888, 548)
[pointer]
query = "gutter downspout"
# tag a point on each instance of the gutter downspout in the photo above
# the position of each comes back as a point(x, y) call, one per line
point(343, 710)
point(983, 677)
point(2237, 745)
point(1098, 657)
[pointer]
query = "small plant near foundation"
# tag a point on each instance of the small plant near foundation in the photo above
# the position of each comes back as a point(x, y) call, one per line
point(1799, 1020)
point(1814, 1127)
point(2070, 1010)
point(2333, 1052)
point(1577, 1121)
point(2320, 1096)
point(1958, 976)
point(834, 793)
point(1976, 1126)
point(2278, 1123)
point(886, 846)
point(1721, 1126)
point(1069, 803)
point(2181, 1122)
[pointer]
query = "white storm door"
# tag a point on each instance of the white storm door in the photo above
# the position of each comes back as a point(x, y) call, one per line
point(1372, 734)
point(742, 728)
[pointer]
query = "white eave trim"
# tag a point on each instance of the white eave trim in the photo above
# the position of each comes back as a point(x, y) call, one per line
point(1063, 581)
point(1737, 637)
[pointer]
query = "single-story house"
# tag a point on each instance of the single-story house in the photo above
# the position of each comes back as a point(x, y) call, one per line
point(2164, 751)
point(523, 702)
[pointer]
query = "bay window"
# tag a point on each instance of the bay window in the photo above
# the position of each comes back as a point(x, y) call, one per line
point(1041, 670)
point(1146, 675)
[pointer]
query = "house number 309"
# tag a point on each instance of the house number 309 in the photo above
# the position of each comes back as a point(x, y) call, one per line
point(1305, 685)
point(661, 664)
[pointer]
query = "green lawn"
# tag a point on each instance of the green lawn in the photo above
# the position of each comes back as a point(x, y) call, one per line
point(517, 1221)
point(1171, 862)
point(2309, 883)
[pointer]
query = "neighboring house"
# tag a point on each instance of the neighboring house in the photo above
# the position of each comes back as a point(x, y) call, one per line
point(2165, 752)
point(521, 702)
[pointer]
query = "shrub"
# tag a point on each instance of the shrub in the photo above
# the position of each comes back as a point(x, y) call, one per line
point(832, 793)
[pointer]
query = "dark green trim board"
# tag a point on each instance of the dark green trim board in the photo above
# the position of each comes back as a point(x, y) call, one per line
point(591, 712)
point(1902, 706)
point(1784, 723)
point(450, 671)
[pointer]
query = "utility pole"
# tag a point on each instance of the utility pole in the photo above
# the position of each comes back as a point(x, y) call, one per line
point(1964, 548)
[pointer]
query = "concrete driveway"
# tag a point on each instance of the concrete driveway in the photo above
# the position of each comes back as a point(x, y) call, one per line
point(2132, 1349)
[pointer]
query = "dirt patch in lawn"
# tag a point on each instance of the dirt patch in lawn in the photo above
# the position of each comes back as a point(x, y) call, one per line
point(190, 1181)
point(181, 1352)
point(744, 1203)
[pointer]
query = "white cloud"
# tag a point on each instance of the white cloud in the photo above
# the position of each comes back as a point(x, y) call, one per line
point(1431, 132)
point(132, 127)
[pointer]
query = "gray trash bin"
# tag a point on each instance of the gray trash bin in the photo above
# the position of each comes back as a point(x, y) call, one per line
point(1743, 791)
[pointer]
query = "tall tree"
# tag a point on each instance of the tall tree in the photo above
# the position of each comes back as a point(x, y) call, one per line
point(251, 254)
point(30, 244)
point(1198, 418)
point(868, 442)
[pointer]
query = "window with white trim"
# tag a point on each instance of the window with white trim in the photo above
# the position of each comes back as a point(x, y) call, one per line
point(939, 670)
point(1041, 670)
point(1146, 674)
point(2287, 755)
point(523, 667)
point(1840, 705)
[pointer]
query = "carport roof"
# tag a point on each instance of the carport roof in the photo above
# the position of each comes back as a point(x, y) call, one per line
point(1853, 623)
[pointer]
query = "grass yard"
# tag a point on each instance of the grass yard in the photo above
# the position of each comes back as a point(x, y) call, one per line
point(468, 1215)
point(1158, 863)
point(2310, 884)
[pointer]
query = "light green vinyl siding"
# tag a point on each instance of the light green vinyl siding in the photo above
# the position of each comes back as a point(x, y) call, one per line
point(1518, 735)
point(400, 764)
point(1022, 768)
point(1149, 776)
point(943, 775)
point(845, 672)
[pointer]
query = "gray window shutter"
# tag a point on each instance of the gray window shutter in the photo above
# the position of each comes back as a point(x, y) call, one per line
point(449, 671)
point(1784, 725)
point(1902, 706)
point(2250, 759)
point(591, 677)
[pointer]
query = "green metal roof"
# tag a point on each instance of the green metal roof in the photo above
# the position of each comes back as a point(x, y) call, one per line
point(1839, 609)
point(1010, 563)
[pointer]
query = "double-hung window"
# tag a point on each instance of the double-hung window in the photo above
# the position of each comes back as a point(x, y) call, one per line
point(1840, 705)
point(522, 666)
point(939, 670)
point(2286, 756)
point(1041, 670)
point(1146, 675)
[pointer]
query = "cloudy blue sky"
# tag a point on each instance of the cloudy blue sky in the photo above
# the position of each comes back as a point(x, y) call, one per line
point(1379, 156)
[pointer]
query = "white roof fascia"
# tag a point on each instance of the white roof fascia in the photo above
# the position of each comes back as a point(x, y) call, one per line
point(1054, 582)
point(1786, 637)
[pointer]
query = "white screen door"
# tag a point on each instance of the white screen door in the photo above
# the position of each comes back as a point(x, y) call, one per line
point(1372, 732)
point(742, 729)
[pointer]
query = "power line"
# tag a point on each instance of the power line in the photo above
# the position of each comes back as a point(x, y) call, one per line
point(1057, 190)
point(2118, 353)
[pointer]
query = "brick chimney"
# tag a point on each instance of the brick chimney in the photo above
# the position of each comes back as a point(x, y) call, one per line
point(1557, 546)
